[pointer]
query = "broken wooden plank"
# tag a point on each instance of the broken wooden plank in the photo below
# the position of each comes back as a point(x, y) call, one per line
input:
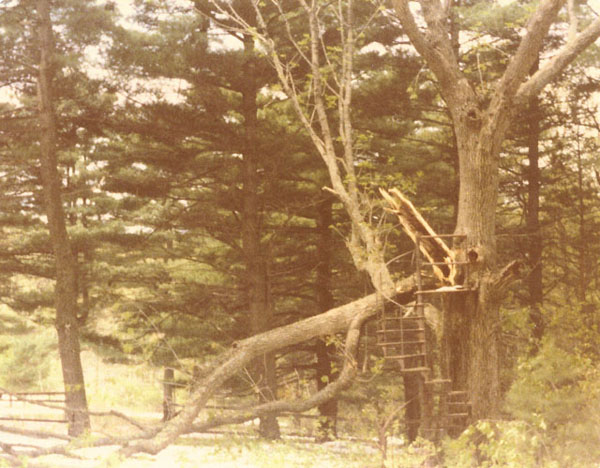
point(439, 255)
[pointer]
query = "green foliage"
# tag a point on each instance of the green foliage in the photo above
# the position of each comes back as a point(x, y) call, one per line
point(576, 328)
point(555, 400)
point(368, 405)
point(25, 359)
point(126, 388)
point(548, 386)
point(493, 444)
point(497, 20)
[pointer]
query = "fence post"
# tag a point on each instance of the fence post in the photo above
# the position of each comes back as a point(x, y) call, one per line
point(168, 393)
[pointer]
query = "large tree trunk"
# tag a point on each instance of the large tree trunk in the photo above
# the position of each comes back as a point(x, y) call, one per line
point(67, 323)
point(582, 241)
point(255, 256)
point(473, 317)
point(325, 352)
point(412, 397)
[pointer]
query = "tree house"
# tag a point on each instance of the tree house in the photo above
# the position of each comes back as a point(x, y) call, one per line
point(406, 341)
point(402, 331)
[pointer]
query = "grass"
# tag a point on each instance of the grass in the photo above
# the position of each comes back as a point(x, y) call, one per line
point(290, 452)
point(232, 451)
point(125, 387)
point(136, 390)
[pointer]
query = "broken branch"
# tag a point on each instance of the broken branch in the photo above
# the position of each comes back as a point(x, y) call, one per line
point(435, 249)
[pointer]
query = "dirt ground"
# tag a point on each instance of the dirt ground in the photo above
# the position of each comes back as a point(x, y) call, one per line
point(218, 450)
point(213, 451)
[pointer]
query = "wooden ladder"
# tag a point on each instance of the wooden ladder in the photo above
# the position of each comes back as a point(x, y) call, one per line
point(451, 411)
point(401, 335)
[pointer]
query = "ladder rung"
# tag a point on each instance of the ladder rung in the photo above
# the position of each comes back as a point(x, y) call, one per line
point(404, 330)
point(438, 381)
point(442, 236)
point(458, 393)
point(402, 319)
point(407, 316)
point(445, 263)
point(409, 370)
point(435, 291)
point(458, 415)
point(406, 356)
point(398, 343)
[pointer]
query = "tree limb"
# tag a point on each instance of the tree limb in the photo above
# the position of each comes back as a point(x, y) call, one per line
point(553, 67)
point(37, 434)
point(435, 47)
point(573, 21)
point(298, 406)
point(331, 322)
point(120, 415)
point(442, 258)
point(528, 50)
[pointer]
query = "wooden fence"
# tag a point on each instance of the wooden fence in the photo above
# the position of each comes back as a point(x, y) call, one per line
point(48, 400)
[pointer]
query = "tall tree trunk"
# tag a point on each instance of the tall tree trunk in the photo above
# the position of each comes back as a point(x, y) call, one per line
point(412, 397)
point(327, 428)
point(474, 338)
point(582, 244)
point(67, 323)
point(532, 221)
point(257, 281)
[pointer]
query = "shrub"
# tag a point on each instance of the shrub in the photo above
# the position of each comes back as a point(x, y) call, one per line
point(500, 443)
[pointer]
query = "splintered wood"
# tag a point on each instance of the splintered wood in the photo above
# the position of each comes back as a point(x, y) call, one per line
point(436, 251)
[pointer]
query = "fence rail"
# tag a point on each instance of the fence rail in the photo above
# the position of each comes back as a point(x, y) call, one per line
point(43, 399)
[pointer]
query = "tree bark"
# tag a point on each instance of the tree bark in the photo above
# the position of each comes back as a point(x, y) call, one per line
point(475, 339)
point(67, 323)
point(412, 399)
point(325, 352)
point(257, 280)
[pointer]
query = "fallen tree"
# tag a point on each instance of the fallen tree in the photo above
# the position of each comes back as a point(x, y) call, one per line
point(346, 318)
point(349, 317)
